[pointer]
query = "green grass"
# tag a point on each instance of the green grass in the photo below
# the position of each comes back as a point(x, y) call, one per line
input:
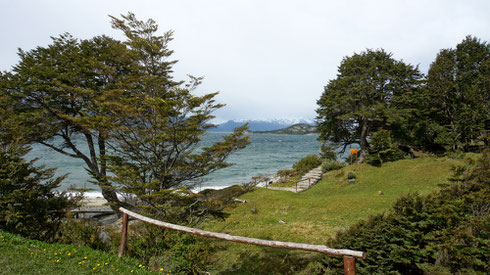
point(23, 256)
point(315, 215)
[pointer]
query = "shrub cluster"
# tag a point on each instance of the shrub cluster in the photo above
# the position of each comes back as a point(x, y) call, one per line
point(306, 164)
point(180, 252)
point(330, 165)
point(444, 232)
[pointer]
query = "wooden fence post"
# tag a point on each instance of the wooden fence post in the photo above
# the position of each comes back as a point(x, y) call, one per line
point(296, 187)
point(124, 235)
point(349, 265)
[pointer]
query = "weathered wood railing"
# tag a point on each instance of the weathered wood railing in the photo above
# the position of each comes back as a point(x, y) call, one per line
point(349, 255)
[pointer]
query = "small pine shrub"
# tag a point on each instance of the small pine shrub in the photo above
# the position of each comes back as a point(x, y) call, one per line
point(83, 233)
point(351, 175)
point(29, 205)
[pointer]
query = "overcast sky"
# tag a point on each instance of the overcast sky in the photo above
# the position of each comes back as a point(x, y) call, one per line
point(268, 59)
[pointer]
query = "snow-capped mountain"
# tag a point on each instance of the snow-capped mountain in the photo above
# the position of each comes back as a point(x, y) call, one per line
point(259, 125)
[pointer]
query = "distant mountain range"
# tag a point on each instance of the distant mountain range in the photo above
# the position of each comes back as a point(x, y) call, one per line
point(259, 125)
point(296, 129)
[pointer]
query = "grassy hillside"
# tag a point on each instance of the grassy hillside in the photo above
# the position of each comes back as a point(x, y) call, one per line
point(312, 217)
point(316, 214)
point(22, 256)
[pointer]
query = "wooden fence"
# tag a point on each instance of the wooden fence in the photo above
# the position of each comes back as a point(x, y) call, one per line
point(349, 255)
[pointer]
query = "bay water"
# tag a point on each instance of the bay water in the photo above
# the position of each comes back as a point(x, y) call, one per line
point(265, 154)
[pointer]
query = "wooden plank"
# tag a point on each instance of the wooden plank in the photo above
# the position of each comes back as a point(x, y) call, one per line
point(308, 247)
point(107, 210)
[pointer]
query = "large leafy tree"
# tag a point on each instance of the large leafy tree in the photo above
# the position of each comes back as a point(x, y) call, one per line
point(372, 90)
point(456, 99)
point(119, 101)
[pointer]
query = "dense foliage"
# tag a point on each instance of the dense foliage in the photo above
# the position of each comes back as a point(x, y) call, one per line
point(29, 204)
point(371, 91)
point(445, 111)
point(330, 165)
point(454, 108)
point(445, 232)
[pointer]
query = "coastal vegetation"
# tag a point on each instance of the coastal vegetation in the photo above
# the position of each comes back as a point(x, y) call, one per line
point(403, 202)
point(313, 216)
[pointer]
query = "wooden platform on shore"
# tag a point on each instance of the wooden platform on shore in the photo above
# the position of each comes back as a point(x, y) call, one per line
point(94, 210)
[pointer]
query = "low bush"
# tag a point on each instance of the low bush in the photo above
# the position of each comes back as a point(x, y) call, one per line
point(330, 165)
point(180, 252)
point(84, 233)
point(306, 164)
point(351, 175)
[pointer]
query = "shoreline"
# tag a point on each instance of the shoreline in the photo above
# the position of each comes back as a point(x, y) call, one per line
point(93, 199)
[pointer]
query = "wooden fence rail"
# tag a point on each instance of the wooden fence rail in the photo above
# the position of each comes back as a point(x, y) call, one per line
point(349, 255)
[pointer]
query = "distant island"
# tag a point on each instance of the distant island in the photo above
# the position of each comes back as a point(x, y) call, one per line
point(296, 129)
point(258, 125)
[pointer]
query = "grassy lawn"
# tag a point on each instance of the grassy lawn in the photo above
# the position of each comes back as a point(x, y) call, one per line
point(22, 256)
point(314, 216)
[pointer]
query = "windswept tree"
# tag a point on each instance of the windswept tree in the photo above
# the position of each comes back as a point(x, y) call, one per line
point(372, 90)
point(455, 103)
point(156, 146)
point(120, 102)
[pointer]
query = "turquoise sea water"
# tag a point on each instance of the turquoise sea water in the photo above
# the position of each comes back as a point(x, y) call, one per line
point(263, 156)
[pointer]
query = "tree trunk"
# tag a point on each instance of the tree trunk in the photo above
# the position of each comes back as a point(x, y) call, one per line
point(363, 141)
point(109, 194)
